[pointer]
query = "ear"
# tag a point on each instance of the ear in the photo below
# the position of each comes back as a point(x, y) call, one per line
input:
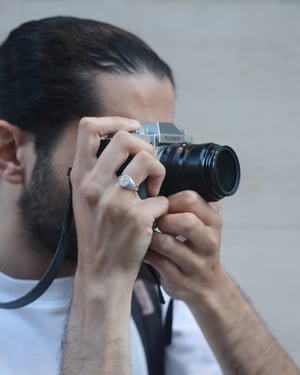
point(11, 139)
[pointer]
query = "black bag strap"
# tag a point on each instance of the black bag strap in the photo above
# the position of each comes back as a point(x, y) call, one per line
point(149, 322)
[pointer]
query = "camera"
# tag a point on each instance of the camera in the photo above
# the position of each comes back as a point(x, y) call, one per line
point(213, 171)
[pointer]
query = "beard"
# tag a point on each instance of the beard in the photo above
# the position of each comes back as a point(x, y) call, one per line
point(41, 207)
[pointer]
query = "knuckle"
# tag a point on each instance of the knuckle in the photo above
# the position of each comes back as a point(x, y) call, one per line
point(161, 170)
point(189, 220)
point(213, 243)
point(148, 160)
point(89, 193)
point(164, 263)
point(109, 208)
point(114, 208)
point(144, 157)
point(74, 177)
point(133, 215)
point(121, 137)
point(189, 197)
point(218, 221)
point(165, 242)
point(84, 122)
point(127, 140)
point(85, 188)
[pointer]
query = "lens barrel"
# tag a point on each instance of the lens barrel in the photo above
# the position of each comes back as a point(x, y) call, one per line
point(211, 170)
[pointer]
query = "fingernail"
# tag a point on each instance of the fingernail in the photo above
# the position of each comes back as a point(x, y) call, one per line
point(135, 123)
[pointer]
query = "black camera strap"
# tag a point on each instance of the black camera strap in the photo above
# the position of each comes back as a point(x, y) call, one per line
point(54, 267)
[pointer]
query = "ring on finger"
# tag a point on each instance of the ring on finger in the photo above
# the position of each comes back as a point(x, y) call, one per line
point(127, 182)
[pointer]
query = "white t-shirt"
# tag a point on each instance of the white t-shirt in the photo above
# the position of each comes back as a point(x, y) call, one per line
point(31, 336)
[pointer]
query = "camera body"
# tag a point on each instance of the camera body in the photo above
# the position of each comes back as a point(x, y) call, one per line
point(161, 135)
point(213, 171)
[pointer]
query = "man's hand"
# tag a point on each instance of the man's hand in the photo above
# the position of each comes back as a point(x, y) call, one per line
point(186, 247)
point(114, 229)
point(114, 226)
point(185, 251)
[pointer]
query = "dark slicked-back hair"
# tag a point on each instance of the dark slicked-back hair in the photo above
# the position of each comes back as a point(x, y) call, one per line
point(48, 69)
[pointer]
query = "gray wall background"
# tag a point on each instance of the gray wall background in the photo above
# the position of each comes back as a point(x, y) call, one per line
point(237, 68)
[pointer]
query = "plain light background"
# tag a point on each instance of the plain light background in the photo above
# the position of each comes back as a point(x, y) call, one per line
point(237, 67)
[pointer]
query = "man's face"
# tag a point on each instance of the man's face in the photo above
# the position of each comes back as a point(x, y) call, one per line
point(142, 97)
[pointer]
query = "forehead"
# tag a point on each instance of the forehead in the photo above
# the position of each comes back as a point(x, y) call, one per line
point(143, 97)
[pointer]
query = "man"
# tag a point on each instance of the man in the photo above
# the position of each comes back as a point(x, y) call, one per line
point(66, 85)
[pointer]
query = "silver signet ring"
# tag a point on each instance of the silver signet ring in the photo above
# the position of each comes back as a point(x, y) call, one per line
point(127, 182)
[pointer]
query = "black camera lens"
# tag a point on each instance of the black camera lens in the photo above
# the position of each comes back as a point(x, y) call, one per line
point(211, 170)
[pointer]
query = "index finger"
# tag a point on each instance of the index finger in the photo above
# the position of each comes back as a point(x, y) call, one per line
point(190, 201)
point(90, 132)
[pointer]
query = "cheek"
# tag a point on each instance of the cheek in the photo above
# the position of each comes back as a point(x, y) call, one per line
point(61, 167)
point(63, 157)
point(29, 162)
